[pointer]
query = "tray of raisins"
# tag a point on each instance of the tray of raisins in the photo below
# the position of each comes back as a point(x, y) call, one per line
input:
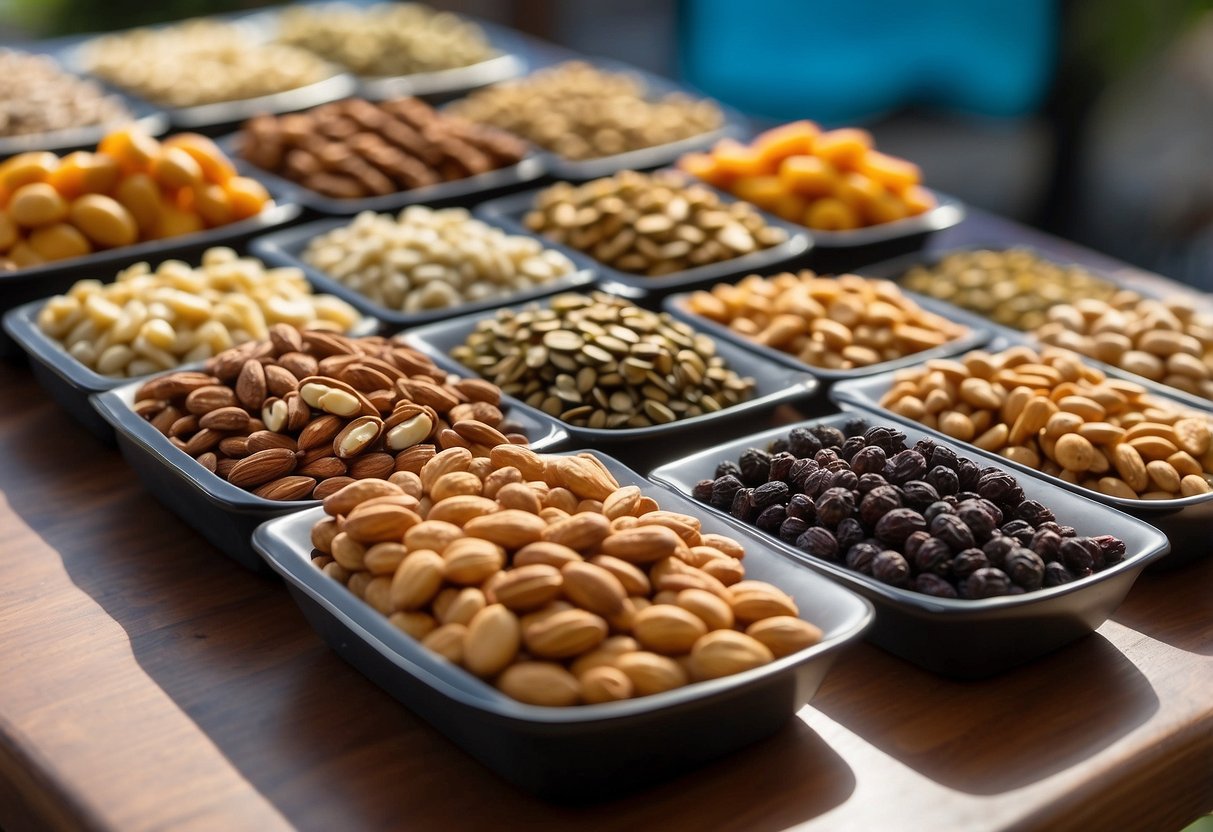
point(972, 570)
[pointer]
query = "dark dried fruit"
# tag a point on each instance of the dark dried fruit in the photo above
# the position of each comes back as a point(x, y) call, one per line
point(1000, 488)
point(743, 507)
point(969, 561)
point(899, 524)
point(929, 584)
point(852, 446)
point(845, 479)
point(943, 479)
point(1056, 574)
point(943, 457)
point(910, 547)
point(1021, 530)
point(877, 503)
point(934, 555)
point(887, 439)
point(1046, 544)
point(702, 491)
point(802, 443)
point(779, 446)
point(801, 469)
point(891, 568)
point(1025, 568)
point(770, 493)
point(904, 466)
point(826, 456)
point(792, 528)
point(870, 460)
point(969, 473)
point(849, 532)
point(953, 531)
point(781, 467)
point(986, 583)
point(817, 482)
point(918, 494)
point(980, 516)
point(728, 468)
point(754, 464)
point(937, 508)
point(801, 506)
point(819, 543)
point(1034, 513)
point(860, 556)
point(997, 548)
point(1079, 554)
point(834, 505)
point(829, 437)
point(724, 490)
point(1113, 548)
point(869, 481)
point(771, 518)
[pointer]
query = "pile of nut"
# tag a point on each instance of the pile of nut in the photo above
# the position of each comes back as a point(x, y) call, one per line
point(920, 518)
point(1015, 287)
point(36, 96)
point(599, 361)
point(132, 189)
point(385, 38)
point(1168, 341)
point(839, 323)
point(200, 62)
point(834, 180)
point(426, 259)
point(307, 412)
point(650, 223)
point(147, 322)
point(543, 576)
point(1055, 414)
point(580, 112)
point(355, 148)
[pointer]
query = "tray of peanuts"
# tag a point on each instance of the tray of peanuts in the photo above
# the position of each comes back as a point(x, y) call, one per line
point(576, 628)
point(834, 182)
point(1051, 413)
point(133, 198)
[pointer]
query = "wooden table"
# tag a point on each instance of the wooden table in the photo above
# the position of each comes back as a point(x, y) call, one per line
point(147, 682)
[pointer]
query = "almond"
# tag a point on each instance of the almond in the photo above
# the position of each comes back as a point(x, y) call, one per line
point(343, 501)
point(479, 433)
point(432, 534)
point(650, 673)
point(605, 684)
point(479, 390)
point(379, 523)
point(542, 551)
point(713, 610)
point(323, 533)
point(364, 378)
point(604, 655)
point(426, 393)
point(593, 588)
point(784, 635)
point(526, 588)
point(581, 532)
point(287, 488)
point(492, 640)
point(460, 508)
point(475, 411)
point(335, 397)
point(409, 430)
point(384, 558)
point(357, 436)
point(633, 580)
point(298, 412)
point(348, 552)
point(285, 338)
point(327, 488)
point(510, 528)
point(261, 467)
point(520, 496)
point(621, 502)
point(540, 683)
point(414, 459)
point(444, 462)
point(251, 387)
point(174, 385)
point(528, 463)
point(471, 561)
point(585, 478)
point(447, 641)
point(565, 634)
point(725, 652)
point(415, 624)
point(322, 467)
point(298, 364)
point(667, 629)
point(755, 600)
point(417, 579)
point(642, 544)
point(225, 418)
point(320, 431)
point(279, 381)
point(325, 344)
point(455, 483)
point(207, 398)
point(263, 440)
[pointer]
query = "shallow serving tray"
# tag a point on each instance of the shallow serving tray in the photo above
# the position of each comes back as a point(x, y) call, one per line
point(775, 384)
point(955, 637)
point(286, 248)
point(592, 751)
point(221, 512)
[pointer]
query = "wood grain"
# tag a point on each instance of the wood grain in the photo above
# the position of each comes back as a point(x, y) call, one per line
point(146, 682)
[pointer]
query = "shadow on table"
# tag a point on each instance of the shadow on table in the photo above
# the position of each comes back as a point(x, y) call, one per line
point(1187, 626)
point(972, 736)
point(322, 743)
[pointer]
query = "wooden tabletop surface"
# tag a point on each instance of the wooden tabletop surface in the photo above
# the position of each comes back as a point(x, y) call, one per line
point(149, 683)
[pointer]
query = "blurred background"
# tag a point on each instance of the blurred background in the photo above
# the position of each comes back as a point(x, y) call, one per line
point(1092, 119)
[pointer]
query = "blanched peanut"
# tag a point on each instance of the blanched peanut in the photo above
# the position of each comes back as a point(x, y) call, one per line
point(149, 321)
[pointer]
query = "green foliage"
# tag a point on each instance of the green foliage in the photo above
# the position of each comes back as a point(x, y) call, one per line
point(51, 18)
point(1114, 36)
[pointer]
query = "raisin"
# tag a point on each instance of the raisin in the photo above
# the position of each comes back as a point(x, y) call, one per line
point(728, 468)
point(834, 505)
point(929, 584)
point(937, 508)
point(1056, 574)
point(801, 507)
point(968, 562)
point(918, 494)
point(771, 518)
point(899, 524)
point(802, 443)
point(943, 479)
point(1046, 544)
point(723, 491)
point(869, 481)
point(702, 491)
point(771, 493)
point(944, 457)
point(849, 532)
point(755, 464)
point(860, 556)
point(819, 543)
point(870, 460)
point(934, 555)
point(781, 467)
point(986, 583)
point(877, 503)
point(1113, 548)
point(953, 531)
point(1034, 513)
point(792, 528)
point(829, 437)
point(904, 466)
point(891, 568)
point(1025, 568)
